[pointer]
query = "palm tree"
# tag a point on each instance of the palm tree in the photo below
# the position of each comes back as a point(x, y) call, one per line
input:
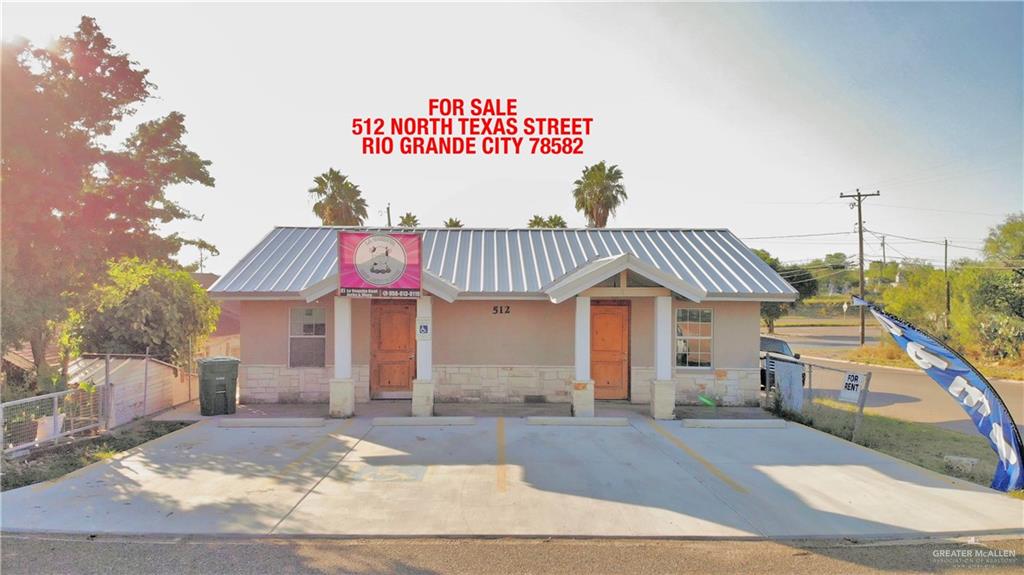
point(556, 221)
point(409, 221)
point(598, 193)
point(339, 202)
point(552, 221)
point(453, 223)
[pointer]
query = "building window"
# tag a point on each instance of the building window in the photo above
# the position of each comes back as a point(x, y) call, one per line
point(307, 341)
point(693, 337)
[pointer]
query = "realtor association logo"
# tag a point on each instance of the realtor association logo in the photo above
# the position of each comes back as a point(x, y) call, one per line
point(385, 265)
point(380, 260)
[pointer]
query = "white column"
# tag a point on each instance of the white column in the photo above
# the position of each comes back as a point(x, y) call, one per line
point(663, 338)
point(342, 390)
point(663, 389)
point(424, 341)
point(423, 385)
point(582, 392)
point(342, 337)
point(582, 346)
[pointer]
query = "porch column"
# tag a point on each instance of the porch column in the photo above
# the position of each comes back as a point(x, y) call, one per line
point(342, 390)
point(663, 389)
point(423, 385)
point(582, 386)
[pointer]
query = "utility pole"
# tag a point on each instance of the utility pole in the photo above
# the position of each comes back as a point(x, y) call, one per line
point(389, 214)
point(860, 240)
point(945, 275)
point(882, 275)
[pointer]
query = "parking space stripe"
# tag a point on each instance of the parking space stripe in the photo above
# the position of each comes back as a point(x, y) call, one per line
point(502, 469)
point(352, 448)
point(707, 464)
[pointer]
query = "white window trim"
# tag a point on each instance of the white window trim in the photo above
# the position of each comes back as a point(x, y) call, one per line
point(675, 338)
point(288, 332)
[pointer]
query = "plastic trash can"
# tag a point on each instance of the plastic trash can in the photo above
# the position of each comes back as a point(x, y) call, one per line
point(218, 382)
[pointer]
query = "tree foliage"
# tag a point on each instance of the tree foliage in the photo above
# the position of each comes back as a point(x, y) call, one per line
point(409, 220)
point(144, 305)
point(339, 202)
point(72, 202)
point(801, 279)
point(453, 223)
point(552, 221)
point(598, 193)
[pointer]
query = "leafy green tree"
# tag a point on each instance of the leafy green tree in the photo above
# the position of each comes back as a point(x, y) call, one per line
point(801, 279)
point(72, 201)
point(920, 298)
point(598, 193)
point(339, 202)
point(408, 221)
point(144, 305)
point(1005, 242)
point(453, 223)
point(552, 221)
point(999, 297)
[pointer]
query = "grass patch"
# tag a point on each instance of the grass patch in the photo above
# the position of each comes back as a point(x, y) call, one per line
point(891, 355)
point(60, 460)
point(922, 444)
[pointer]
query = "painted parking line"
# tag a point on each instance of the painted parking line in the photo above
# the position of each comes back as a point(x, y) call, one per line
point(316, 446)
point(502, 469)
point(707, 464)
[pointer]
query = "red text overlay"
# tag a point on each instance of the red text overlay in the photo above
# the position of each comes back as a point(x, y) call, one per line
point(477, 126)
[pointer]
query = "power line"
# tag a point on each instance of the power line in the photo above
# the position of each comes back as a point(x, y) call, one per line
point(799, 236)
point(943, 243)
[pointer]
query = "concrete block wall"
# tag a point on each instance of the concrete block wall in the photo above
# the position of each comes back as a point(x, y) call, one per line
point(493, 384)
point(283, 384)
point(728, 386)
point(501, 384)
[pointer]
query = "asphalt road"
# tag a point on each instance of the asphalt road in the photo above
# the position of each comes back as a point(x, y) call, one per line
point(81, 555)
point(902, 393)
point(828, 337)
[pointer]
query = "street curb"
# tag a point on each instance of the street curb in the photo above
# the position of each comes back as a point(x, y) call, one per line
point(578, 421)
point(423, 421)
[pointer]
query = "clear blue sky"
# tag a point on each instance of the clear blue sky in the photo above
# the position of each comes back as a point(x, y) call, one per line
point(752, 117)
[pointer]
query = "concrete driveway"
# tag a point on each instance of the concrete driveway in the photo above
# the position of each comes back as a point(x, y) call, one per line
point(504, 476)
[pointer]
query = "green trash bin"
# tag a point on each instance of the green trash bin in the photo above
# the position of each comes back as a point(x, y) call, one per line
point(218, 381)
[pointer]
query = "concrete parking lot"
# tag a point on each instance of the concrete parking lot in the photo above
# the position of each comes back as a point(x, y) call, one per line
point(504, 476)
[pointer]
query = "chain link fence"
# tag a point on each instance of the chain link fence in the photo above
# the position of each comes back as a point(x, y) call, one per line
point(814, 394)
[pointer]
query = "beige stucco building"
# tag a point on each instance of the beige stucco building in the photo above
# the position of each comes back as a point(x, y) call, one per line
point(507, 316)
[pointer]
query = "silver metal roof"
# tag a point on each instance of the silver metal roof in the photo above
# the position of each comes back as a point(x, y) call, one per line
point(512, 262)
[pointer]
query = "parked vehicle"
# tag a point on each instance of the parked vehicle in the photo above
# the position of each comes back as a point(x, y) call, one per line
point(778, 347)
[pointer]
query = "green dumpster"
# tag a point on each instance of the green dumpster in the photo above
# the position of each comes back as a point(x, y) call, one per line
point(218, 380)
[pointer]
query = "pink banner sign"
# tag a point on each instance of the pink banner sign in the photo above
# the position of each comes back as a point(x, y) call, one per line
point(379, 265)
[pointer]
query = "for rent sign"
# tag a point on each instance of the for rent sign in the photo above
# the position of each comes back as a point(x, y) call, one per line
point(378, 265)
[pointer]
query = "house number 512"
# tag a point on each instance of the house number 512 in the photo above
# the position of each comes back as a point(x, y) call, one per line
point(500, 310)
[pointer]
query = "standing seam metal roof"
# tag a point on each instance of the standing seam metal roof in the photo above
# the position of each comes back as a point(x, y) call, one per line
point(509, 262)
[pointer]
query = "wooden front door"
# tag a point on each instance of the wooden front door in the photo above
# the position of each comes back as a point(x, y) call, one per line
point(392, 348)
point(609, 349)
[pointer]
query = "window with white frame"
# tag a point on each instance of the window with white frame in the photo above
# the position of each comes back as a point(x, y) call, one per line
point(307, 337)
point(693, 337)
